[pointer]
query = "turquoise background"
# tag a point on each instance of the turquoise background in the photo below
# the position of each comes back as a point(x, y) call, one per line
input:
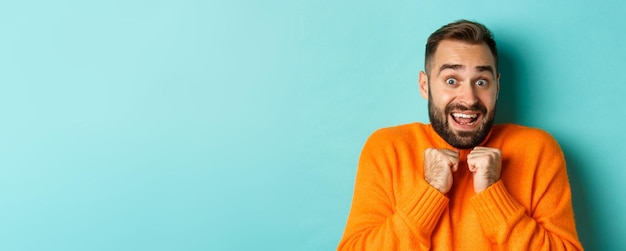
point(237, 125)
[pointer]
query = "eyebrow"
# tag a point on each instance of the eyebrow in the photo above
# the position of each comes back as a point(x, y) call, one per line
point(450, 66)
point(481, 68)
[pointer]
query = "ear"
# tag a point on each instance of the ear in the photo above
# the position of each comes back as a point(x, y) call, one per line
point(423, 82)
point(498, 86)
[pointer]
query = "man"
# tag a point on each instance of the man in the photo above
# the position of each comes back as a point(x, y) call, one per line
point(461, 183)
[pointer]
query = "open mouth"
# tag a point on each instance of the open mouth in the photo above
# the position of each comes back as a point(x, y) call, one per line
point(465, 119)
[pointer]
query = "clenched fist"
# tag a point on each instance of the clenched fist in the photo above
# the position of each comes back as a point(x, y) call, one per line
point(485, 164)
point(439, 164)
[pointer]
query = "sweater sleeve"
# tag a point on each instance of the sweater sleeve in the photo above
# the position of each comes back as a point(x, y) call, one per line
point(548, 225)
point(378, 221)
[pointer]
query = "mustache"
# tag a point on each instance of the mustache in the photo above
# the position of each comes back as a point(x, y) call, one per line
point(478, 107)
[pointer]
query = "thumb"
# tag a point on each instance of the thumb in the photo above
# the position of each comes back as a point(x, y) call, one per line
point(455, 167)
point(472, 167)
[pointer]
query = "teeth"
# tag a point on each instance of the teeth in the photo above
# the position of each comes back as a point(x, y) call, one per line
point(466, 116)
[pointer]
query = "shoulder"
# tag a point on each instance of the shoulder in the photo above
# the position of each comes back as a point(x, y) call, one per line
point(519, 131)
point(391, 143)
point(524, 136)
point(398, 137)
point(399, 133)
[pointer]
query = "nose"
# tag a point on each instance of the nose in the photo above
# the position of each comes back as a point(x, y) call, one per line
point(467, 94)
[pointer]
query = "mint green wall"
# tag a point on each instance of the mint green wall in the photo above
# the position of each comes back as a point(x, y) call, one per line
point(237, 125)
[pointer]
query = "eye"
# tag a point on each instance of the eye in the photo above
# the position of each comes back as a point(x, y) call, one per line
point(451, 81)
point(481, 82)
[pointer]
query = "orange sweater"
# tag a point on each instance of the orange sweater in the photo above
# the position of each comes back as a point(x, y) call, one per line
point(393, 207)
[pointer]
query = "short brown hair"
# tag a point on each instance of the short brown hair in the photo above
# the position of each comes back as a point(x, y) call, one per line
point(462, 30)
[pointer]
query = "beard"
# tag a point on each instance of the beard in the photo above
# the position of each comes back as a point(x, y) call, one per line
point(461, 139)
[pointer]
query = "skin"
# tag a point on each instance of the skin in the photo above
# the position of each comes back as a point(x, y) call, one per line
point(461, 75)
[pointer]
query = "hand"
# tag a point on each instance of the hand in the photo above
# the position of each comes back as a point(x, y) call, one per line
point(439, 164)
point(485, 164)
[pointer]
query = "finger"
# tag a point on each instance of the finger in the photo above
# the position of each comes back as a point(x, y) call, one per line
point(450, 153)
point(472, 168)
point(481, 147)
point(491, 155)
point(478, 151)
point(484, 148)
point(455, 167)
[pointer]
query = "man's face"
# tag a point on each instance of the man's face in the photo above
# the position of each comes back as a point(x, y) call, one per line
point(461, 88)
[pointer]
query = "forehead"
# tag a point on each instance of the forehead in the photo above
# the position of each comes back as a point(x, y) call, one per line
point(462, 53)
